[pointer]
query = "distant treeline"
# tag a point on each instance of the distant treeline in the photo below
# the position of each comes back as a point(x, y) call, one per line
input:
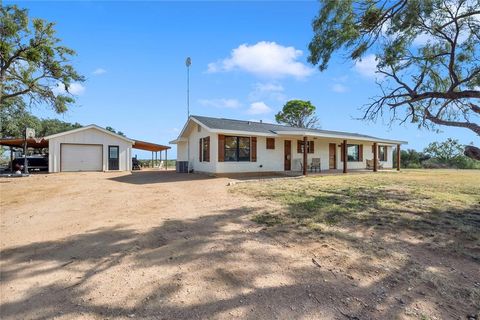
point(437, 155)
point(147, 163)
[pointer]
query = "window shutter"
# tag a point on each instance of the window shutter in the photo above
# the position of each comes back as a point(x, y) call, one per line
point(360, 152)
point(342, 152)
point(207, 156)
point(299, 146)
point(200, 151)
point(311, 145)
point(221, 148)
point(270, 143)
point(253, 149)
point(373, 148)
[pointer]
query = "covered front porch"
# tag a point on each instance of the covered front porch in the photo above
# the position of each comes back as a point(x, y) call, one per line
point(308, 154)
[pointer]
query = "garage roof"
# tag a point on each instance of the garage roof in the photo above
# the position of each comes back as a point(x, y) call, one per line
point(91, 126)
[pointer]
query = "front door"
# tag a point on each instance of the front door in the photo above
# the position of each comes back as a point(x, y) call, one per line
point(287, 160)
point(332, 156)
point(113, 157)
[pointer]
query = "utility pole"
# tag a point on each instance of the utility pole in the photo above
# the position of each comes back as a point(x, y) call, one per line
point(188, 63)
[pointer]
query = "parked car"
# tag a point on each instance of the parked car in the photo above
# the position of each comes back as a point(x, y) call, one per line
point(35, 163)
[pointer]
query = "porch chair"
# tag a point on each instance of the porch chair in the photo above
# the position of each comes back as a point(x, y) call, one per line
point(370, 164)
point(300, 161)
point(315, 165)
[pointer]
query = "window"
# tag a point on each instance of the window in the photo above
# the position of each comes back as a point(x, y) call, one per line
point(310, 146)
point(237, 149)
point(270, 143)
point(204, 149)
point(382, 153)
point(353, 152)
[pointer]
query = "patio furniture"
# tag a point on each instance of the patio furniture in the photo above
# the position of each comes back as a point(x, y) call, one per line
point(300, 161)
point(315, 165)
point(370, 164)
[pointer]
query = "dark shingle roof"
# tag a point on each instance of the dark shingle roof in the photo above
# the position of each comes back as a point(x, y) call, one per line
point(270, 128)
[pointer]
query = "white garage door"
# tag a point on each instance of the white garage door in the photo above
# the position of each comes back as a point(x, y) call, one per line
point(81, 157)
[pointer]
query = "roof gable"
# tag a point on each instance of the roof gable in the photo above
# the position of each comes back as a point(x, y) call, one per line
point(91, 126)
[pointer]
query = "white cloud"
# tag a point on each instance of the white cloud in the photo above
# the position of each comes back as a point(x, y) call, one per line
point(269, 87)
point(75, 88)
point(339, 88)
point(220, 103)
point(269, 91)
point(265, 59)
point(258, 108)
point(367, 66)
point(99, 71)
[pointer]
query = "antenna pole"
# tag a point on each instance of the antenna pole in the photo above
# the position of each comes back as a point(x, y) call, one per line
point(188, 63)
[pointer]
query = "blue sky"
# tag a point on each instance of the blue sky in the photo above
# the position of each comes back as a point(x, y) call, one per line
point(249, 58)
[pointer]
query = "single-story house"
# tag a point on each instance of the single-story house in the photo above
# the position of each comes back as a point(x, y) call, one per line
point(217, 145)
point(89, 148)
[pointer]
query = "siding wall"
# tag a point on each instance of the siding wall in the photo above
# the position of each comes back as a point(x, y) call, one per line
point(269, 160)
point(90, 136)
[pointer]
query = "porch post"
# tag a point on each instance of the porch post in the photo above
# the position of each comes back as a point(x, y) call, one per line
point(305, 155)
point(166, 159)
point(11, 159)
point(152, 159)
point(398, 157)
point(345, 158)
point(159, 159)
point(375, 157)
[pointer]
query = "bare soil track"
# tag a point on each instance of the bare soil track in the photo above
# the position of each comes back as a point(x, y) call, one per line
point(161, 245)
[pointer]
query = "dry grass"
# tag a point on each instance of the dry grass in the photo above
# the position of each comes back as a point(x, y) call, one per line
point(426, 203)
point(413, 223)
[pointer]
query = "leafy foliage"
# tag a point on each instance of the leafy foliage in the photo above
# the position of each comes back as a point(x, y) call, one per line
point(427, 55)
point(114, 131)
point(298, 113)
point(34, 67)
point(446, 154)
point(14, 117)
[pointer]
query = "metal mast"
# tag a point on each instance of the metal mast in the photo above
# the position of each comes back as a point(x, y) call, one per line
point(188, 63)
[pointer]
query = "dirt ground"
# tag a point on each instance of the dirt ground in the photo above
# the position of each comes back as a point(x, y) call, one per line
point(161, 245)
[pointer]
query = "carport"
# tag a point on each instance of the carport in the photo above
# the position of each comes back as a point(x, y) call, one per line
point(156, 150)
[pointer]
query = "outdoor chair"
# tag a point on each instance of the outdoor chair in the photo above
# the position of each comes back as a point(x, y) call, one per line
point(370, 164)
point(315, 165)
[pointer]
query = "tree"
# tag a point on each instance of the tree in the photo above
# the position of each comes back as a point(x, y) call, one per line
point(14, 118)
point(33, 65)
point(13, 121)
point(120, 133)
point(298, 113)
point(427, 55)
point(445, 151)
point(410, 158)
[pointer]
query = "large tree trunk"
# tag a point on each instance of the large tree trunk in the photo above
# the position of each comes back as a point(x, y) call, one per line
point(472, 152)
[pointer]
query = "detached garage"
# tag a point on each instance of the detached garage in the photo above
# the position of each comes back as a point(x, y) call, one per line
point(89, 148)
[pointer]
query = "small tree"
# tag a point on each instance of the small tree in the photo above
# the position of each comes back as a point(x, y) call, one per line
point(298, 113)
point(445, 152)
point(33, 66)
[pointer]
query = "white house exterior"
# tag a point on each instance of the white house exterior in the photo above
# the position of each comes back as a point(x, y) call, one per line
point(219, 146)
point(90, 148)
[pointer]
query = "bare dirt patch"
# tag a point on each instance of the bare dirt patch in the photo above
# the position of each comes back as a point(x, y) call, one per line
point(161, 245)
